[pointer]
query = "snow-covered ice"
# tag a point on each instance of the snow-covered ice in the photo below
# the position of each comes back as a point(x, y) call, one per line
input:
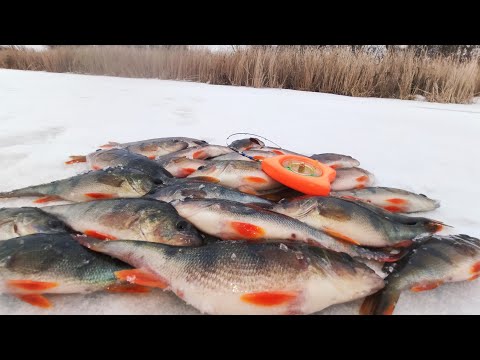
point(424, 147)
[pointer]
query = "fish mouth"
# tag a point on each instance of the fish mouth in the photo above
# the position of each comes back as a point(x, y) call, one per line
point(189, 241)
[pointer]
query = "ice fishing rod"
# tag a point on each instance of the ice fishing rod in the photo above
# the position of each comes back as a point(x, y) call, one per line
point(229, 145)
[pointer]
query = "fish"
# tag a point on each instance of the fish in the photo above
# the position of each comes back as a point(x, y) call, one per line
point(102, 159)
point(197, 152)
point(255, 154)
point(182, 167)
point(435, 261)
point(94, 185)
point(352, 178)
point(35, 265)
point(153, 148)
point(333, 160)
point(283, 194)
point(16, 222)
point(133, 219)
point(230, 220)
point(391, 199)
point(204, 190)
point(245, 176)
point(355, 223)
point(336, 161)
point(227, 278)
point(279, 151)
point(394, 216)
point(247, 144)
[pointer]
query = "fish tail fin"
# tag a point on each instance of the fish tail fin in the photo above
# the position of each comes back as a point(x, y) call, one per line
point(76, 159)
point(29, 191)
point(12, 194)
point(109, 145)
point(380, 303)
point(434, 226)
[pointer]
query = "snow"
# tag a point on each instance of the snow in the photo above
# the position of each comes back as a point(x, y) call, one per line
point(424, 147)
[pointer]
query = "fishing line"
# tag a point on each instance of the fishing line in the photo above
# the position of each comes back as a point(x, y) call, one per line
point(241, 152)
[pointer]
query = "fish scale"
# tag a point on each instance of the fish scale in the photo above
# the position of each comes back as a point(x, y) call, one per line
point(41, 264)
point(190, 188)
point(261, 279)
point(109, 183)
point(392, 199)
point(433, 261)
point(361, 223)
point(232, 220)
point(156, 147)
point(245, 176)
point(102, 159)
point(133, 219)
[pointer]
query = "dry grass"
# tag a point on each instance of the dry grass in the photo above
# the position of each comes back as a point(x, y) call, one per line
point(399, 75)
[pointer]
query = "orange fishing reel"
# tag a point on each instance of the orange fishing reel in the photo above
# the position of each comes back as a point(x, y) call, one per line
point(300, 173)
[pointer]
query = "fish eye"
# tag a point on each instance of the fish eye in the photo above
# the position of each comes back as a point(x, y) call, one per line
point(201, 167)
point(181, 225)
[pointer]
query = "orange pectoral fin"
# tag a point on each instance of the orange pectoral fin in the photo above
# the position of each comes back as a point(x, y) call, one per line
point(152, 157)
point(35, 300)
point(99, 195)
point(248, 231)
point(269, 298)
point(31, 285)
point(76, 159)
point(98, 235)
point(397, 201)
point(47, 199)
point(426, 286)
point(184, 172)
point(128, 288)
point(362, 178)
point(248, 190)
point(139, 277)
point(340, 236)
point(255, 179)
point(475, 271)
point(200, 154)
